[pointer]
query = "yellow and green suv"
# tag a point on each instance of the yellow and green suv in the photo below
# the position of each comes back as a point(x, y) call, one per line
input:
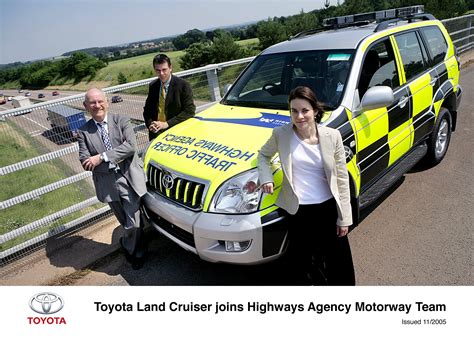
point(389, 82)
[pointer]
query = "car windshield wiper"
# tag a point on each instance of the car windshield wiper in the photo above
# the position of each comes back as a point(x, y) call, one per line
point(229, 102)
point(273, 105)
point(243, 103)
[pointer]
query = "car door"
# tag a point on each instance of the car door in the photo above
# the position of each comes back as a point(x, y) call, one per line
point(376, 129)
point(419, 82)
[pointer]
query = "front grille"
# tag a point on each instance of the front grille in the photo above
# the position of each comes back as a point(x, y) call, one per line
point(181, 190)
point(172, 229)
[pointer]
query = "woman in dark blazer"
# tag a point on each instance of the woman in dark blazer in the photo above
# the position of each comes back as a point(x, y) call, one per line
point(315, 191)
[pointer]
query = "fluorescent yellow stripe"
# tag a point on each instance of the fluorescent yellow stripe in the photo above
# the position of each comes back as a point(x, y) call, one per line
point(370, 126)
point(353, 170)
point(398, 57)
point(176, 194)
point(196, 190)
point(150, 176)
point(352, 166)
point(159, 182)
point(268, 210)
point(186, 192)
point(399, 141)
point(422, 93)
point(453, 71)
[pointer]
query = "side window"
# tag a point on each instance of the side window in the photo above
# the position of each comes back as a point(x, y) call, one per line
point(436, 43)
point(411, 53)
point(379, 68)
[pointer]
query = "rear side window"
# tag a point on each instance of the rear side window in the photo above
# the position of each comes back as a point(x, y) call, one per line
point(411, 53)
point(436, 44)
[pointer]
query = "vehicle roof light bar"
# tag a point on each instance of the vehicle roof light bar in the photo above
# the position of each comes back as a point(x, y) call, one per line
point(395, 13)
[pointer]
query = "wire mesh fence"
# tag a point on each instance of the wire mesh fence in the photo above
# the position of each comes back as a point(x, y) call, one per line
point(45, 191)
point(461, 31)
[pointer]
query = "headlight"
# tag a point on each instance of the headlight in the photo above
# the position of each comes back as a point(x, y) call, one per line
point(234, 197)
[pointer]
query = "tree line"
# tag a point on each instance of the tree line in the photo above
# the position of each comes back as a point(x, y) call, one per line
point(41, 74)
point(219, 46)
point(202, 48)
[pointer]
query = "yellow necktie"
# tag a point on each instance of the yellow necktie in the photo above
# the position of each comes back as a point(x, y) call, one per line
point(161, 105)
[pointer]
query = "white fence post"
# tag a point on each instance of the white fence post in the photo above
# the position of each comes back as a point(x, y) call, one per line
point(213, 83)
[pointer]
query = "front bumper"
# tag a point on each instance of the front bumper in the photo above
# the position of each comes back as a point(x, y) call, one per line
point(205, 233)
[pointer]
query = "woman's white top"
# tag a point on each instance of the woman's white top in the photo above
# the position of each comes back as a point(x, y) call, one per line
point(309, 179)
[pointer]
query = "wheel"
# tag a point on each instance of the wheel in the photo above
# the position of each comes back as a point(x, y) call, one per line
point(438, 142)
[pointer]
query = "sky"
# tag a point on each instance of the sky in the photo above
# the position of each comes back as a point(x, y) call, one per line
point(37, 29)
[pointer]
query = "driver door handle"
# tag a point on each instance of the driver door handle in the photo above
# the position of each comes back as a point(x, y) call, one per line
point(403, 101)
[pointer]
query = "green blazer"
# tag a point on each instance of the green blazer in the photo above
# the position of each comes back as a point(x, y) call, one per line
point(334, 162)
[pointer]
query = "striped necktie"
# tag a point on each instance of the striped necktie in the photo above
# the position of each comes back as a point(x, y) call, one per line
point(161, 104)
point(105, 135)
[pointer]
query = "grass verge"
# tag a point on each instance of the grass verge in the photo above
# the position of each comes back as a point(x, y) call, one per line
point(21, 147)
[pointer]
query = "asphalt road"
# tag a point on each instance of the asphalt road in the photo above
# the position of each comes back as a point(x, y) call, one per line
point(34, 95)
point(419, 233)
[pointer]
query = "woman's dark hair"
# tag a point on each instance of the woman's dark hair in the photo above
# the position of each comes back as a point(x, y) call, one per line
point(305, 93)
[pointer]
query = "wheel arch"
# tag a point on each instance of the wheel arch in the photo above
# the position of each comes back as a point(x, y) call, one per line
point(450, 103)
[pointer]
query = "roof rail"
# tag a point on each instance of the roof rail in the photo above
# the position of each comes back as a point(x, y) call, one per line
point(308, 32)
point(377, 16)
point(385, 24)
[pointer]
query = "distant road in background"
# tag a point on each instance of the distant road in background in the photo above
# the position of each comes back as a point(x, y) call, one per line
point(34, 95)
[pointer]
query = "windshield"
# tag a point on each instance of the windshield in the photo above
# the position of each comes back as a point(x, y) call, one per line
point(267, 82)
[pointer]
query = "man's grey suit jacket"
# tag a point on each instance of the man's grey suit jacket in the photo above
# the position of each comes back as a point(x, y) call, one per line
point(123, 153)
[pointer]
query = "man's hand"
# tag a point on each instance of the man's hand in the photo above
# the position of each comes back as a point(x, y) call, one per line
point(90, 163)
point(156, 126)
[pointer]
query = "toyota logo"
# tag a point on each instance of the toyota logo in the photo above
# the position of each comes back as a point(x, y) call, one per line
point(167, 181)
point(46, 303)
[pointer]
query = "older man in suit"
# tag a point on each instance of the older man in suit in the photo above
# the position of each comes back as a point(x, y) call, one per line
point(107, 147)
point(169, 101)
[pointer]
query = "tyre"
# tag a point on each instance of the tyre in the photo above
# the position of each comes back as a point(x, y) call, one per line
point(438, 142)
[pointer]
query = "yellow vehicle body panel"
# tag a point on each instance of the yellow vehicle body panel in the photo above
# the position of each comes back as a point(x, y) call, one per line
point(215, 145)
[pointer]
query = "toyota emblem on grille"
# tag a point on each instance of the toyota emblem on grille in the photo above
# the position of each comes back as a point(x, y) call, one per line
point(46, 303)
point(167, 181)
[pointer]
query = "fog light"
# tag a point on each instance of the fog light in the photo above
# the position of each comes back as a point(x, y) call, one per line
point(231, 246)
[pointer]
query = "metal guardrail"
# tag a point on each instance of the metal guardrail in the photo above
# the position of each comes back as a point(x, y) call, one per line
point(461, 31)
point(51, 152)
point(35, 128)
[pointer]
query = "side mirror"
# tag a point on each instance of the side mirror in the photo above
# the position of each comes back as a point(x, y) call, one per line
point(227, 88)
point(376, 97)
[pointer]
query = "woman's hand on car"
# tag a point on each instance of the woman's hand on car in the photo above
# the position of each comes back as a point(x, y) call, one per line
point(267, 188)
point(342, 231)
